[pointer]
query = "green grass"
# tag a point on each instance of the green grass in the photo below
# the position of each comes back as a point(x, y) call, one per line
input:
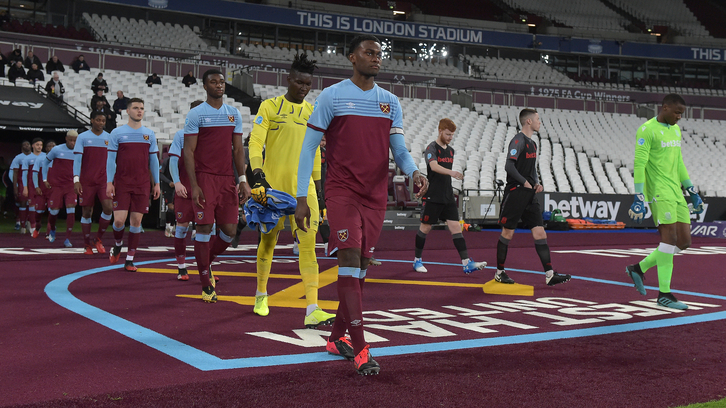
point(711, 404)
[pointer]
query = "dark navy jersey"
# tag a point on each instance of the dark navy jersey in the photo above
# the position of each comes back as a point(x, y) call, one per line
point(440, 190)
point(523, 151)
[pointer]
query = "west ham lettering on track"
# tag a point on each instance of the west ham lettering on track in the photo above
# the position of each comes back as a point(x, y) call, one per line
point(406, 312)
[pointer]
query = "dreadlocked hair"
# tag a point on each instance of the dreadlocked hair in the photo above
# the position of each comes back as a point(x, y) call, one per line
point(302, 64)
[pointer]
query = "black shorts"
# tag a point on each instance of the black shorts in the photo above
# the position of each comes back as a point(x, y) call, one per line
point(168, 194)
point(431, 213)
point(520, 204)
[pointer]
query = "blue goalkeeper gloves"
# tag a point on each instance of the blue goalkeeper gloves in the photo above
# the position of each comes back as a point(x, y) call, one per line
point(695, 199)
point(637, 210)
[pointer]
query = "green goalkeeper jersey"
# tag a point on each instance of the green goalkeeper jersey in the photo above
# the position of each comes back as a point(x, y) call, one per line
point(659, 162)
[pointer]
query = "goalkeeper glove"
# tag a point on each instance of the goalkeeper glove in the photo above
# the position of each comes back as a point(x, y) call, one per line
point(259, 188)
point(695, 199)
point(637, 210)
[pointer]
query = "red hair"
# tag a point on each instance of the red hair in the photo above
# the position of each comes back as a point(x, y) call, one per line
point(447, 124)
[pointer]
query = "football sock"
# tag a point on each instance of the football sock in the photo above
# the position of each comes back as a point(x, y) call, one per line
point(502, 247)
point(265, 251)
point(543, 250)
point(70, 221)
point(460, 245)
point(664, 260)
point(134, 236)
point(219, 245)
point(103, 223)
point(86, 229)
point(420, 242)
point(648, 262)
point(118, 234)
point(52, 219)
point(180, 246)
point(201, 253)
point(349, 293)
point(308, 263)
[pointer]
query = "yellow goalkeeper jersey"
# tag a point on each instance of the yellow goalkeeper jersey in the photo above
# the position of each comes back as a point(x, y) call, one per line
point(279, 128)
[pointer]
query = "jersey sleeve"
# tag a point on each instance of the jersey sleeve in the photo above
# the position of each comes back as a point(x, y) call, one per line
point(113, 142)
point(258, 137)
point(322, 111)
point(397, 125)
point(191, 125)
point(238, 122)
point(177, 147)
point(514, 150)
point(643, 140)
point(317, 166)
point(430, 154)
point(153, 146)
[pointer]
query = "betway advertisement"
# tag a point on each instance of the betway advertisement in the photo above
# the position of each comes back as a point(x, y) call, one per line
point(615, 207)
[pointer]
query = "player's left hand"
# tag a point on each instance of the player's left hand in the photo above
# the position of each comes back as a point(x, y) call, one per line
point(538, 188)
point(243, 189)
point(421, 182)
point(302, 214)
point(38, 191)
point(259, 187)
point(198, 196)
point(156, 191)
point(47, 185)
point(110, 190)
point(695, 199)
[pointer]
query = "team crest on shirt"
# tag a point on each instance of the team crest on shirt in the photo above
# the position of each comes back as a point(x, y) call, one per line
point(200, 215)
point(115, 204)
point(385, 107)
point(343, 235)
point(106, 141)
point(146, 137)
point(231, 118)
point(179, 215)
point(80, 201)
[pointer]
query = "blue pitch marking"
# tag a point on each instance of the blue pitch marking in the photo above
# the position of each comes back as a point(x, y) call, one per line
point(57, 291)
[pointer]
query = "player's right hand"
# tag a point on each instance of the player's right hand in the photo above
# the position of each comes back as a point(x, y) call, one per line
point(78, 188)
point(259, 187)
point(637, 210)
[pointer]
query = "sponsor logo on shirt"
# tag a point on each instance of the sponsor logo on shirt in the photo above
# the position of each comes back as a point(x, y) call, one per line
point(343, 235)
point(350, 105)
point(445, 159)
point(385, 107)
point(672, 143)
point(531, 155)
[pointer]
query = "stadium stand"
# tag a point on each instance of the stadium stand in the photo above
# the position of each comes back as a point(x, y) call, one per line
point(588, 14)
point(673, 13)
point(48, 30)
point(132, 32)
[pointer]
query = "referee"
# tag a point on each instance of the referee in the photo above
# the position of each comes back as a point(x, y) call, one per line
point(519, 201)
point(439, 202)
